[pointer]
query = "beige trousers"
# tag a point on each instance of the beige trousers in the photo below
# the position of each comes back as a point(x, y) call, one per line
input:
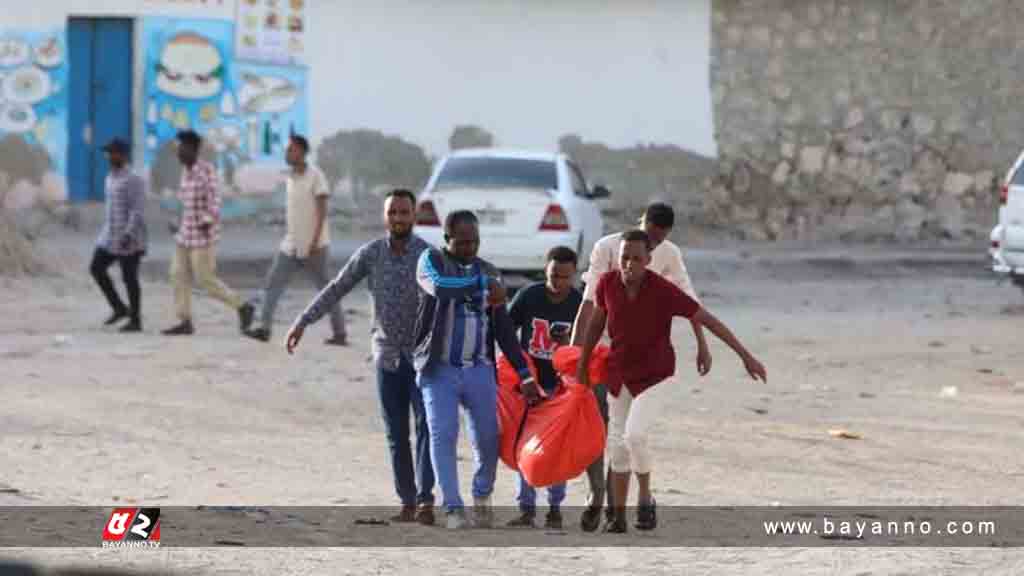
point(629, 423)
point(198, 265)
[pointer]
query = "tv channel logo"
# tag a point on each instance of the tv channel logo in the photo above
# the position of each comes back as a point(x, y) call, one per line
point(132, 528)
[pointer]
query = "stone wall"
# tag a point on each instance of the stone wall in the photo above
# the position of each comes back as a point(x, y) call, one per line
point(864, 119)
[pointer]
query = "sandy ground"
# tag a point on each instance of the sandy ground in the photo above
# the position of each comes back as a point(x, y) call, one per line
point(91, 417)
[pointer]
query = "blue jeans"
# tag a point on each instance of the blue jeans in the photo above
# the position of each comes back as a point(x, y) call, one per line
point(444, 389)
point(398, 391)
point(527, 496)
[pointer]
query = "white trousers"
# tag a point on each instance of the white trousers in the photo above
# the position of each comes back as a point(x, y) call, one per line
point(629, 422)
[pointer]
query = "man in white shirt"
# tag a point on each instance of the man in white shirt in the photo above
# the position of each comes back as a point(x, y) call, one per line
point(667, 262)
point(305, 243)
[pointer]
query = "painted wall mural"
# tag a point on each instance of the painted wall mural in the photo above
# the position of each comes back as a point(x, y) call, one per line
point(272, 31)
point(187, 85)
point(245, 111)
point(33, 116)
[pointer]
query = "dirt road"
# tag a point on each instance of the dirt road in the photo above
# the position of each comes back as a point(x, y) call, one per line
point(924, 363)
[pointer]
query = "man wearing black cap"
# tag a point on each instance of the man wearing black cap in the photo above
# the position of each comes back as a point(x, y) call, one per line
point(123, 237)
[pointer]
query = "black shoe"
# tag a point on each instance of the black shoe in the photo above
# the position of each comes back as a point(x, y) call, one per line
point(182, 329)
point(245, 315)
point(132, 327)
point(590, 519)
point(116, 317)
point(525, 520)
point(616, 526)
point(336, 341)
point(647, 516)
point(553, 520)
point(261, 334)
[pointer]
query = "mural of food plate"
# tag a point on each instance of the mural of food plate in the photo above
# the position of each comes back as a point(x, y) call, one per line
point(48, 54)
point(266, 94)
point(190, 67)
point(27, 85)
point(16, 118)
point(13, 52)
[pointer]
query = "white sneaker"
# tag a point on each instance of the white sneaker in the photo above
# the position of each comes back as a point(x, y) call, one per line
point(483, 514)
point(456, 520)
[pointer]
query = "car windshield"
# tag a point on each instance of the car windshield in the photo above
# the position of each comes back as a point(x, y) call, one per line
point(497, 173)
point(1018, 177)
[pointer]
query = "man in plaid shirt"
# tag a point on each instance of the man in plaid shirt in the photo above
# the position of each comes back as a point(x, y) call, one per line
point(123, 237)
point(196, 238)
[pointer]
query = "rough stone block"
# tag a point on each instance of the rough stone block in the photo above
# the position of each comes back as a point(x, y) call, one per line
point(761, 38)
point(781, 174)
point(854, 118)
point(923, 125)
point(957, 183)
point(984, 181)
point(812, 160)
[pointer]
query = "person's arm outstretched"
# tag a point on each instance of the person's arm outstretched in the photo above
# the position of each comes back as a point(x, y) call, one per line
point(357, 268)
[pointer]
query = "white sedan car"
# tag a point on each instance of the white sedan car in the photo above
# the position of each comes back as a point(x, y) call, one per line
point(526, 202)
point(1007, 248)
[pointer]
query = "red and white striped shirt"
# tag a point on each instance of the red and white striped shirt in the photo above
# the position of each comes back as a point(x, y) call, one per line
point(200, 200)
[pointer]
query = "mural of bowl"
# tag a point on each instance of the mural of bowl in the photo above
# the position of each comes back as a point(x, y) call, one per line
point(13, 52)
point(266, 94)
point(48, 54)
point(27, 85)
point(16, 118)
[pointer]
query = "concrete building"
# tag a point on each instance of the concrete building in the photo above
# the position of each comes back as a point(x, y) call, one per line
point(246, 73)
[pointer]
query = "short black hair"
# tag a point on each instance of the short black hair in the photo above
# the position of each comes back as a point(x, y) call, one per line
point(562, 255)
point(637, 235)
point(660, 214)
point(459, 217)
point(190, 138)
point(402, 193)
point(301, 141)
point(119, 146)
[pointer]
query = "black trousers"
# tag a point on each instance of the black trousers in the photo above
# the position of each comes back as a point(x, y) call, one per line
point(101, 261)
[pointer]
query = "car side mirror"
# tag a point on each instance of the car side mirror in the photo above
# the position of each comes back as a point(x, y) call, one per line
point(599, 192)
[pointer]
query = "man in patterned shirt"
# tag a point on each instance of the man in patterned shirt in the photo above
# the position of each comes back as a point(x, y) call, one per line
point(196, 238)
point(389, 266)
point(123, 238)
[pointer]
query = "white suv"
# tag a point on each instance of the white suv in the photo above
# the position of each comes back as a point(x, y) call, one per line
point(527, 203)
point(1007, 248)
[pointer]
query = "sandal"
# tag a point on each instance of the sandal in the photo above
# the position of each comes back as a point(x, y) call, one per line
point(647, 515)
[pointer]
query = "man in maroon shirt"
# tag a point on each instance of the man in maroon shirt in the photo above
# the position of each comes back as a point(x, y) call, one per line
point(638, 308)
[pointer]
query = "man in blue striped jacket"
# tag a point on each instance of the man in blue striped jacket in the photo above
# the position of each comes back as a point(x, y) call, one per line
point(461, 315)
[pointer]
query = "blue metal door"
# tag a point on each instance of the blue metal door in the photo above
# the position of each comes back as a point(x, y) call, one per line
point(80, 110)
point(101, 103)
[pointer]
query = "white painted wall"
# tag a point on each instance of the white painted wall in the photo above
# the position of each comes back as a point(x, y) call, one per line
point(43, 13)
point(529, 71)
